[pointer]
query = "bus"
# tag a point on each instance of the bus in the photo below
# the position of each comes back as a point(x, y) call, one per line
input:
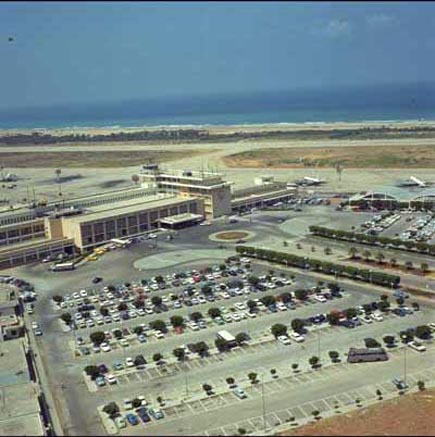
point(62, 266)
point(229, 338)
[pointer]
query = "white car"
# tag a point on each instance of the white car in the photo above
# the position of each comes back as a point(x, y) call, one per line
point(83, 293)
point(158, 334)
point(366, 319)
point(90, 323)
point(236, 317)
point(105, 347)
point(111, 379)
point(245, 260)
point(193, 326)
point(123, 342)
point(297, 337)
point(35, 325)
point(240, 306)
point(128, 404)
point(416, 345)
point(283, 339)
point(251, 315)
point(129, 362)
point(205, 224)
point(281, 306)
point(149, 311)
point(378, 317)
point(320, 298)
point(431, 326)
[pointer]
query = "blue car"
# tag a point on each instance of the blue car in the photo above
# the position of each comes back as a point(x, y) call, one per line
point(132, 419)
point(118, 365)
point(142, 338)
point(142, 413)
point(100, 381)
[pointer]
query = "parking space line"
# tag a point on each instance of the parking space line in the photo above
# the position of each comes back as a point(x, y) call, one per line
point(321, 405)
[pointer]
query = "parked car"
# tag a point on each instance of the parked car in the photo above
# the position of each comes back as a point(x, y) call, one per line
point(416, 345)
point(283, 339)
point(142, 413)
point(132, 419)
point(240, 393)
point(297, 337)
point(400, 384)
point(156, 413)
point(120, 422)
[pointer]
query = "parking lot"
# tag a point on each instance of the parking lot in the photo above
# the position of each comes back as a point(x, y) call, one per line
point(180, 383)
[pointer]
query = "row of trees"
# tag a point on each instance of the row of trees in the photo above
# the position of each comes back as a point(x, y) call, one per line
point(373, 240)
point(379, 278)
point(380, 257)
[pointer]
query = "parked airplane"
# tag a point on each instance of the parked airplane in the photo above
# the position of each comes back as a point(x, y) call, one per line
point(308, 181)
point(414, 182)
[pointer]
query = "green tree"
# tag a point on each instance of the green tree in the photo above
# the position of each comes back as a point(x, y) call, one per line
point(393, 262)
point(122, 306)
point(350, 313)
point(333, 318)
point(221, 344)
point(367, 254)
point(201, 348)
point(252, 377)
point(104, 311)
point(196, 316)
point(157, 357)
point(92, 371)
point(207, 388)
point(421, 385)
point(415, 306)
point(252, 305)
point(352, 252)
point(97, 337)
point(380, 257)
point(176, 321)
point(371, 342)
point(379, 394)
point(179, 353)
point(67, 318)
point(279, 329)
point(285, 297)
point(268, 300)
point(111, 409)
point(295, 367)
point(273, 373)
point(334, 356)
point(58, 298)
point(158, 325)
point(136, 403)
point(301, 294)
point(242, 337)
point(230, 381)
point(314, 361)
point(156, 300)
point(214, 312)
point(389, 339)
point(297, 325)
point(253, 280)
point(424, 267)
point(409, 265)
point(422, 331)
point(328, 250)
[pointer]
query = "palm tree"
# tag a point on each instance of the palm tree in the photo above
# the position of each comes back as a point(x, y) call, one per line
point(352, 252)
point(408, 265)
point(58, 171)
point(393, 262)
point(367, 254)
point(424, 267)
point(380, 257)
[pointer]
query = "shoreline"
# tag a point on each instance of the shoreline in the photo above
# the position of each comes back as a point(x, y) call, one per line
point(222, 128)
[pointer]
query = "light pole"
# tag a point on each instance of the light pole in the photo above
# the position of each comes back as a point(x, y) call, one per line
point(404, 364)
point(263, 401)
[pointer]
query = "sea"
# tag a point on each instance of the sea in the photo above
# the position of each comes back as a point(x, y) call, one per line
point(376, 103)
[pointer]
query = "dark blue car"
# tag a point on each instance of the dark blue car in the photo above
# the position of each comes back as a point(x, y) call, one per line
point(142, 413)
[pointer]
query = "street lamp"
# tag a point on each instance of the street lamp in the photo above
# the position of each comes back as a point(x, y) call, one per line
point(263, 401)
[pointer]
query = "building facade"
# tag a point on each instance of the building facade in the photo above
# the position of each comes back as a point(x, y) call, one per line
point(215, 192)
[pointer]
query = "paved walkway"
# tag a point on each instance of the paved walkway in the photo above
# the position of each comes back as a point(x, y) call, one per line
point(177, 257)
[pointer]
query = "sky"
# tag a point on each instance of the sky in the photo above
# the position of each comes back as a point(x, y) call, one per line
point(66, 53)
